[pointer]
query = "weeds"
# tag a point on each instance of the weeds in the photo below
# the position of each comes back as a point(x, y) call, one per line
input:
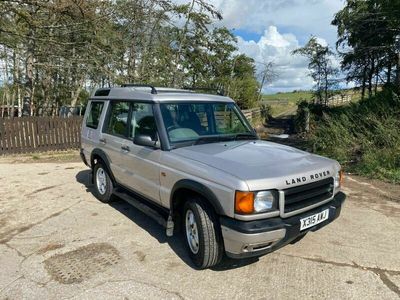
point(364, 136)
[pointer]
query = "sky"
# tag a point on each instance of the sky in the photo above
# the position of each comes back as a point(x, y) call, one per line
point(269, 30)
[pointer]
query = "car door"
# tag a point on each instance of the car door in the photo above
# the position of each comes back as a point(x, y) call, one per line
point(91, 132)
point(114, 136)
point(142, 164)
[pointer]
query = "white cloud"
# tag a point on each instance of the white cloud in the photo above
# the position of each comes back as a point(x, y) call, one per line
point(284, 25)
point(299, 19)
point(306, 17)
point(277, 48)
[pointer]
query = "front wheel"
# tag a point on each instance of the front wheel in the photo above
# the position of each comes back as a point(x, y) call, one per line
point(202, 234)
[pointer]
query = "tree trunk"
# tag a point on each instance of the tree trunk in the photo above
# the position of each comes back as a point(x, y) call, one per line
point(16, 81)
point(77, 91)
point(364, 80)
point(370, 76)
point(3, 105)
point(6, 89)
point(29, 71)
point(181, 44)
point(389, 74)
point(326, 87)
point(398, 71)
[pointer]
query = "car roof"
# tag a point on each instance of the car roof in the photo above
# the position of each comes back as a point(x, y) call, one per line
point(161, 95)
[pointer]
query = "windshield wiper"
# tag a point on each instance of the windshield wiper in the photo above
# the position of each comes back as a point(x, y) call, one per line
point(246, 136)
point(224, 138)
point(211, 139)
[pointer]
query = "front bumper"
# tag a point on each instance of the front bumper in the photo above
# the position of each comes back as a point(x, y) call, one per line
point(254, 238)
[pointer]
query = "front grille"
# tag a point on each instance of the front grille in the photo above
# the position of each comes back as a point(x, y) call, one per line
point(306, 195)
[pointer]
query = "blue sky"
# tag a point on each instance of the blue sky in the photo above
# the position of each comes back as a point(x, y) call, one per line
point(269, 30)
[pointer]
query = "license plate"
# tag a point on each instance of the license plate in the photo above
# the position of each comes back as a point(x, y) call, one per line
point(314, 219)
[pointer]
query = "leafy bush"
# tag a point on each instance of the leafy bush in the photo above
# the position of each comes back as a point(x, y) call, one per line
point(266, 112)
point(300, 120)
point(364, 136)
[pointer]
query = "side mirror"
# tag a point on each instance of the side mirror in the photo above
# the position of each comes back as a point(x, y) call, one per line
point(144, 140)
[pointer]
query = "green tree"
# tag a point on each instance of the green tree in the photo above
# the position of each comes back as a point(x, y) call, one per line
point(55, 51)
point(321, 68)
point(243, 85)
point(368, 32)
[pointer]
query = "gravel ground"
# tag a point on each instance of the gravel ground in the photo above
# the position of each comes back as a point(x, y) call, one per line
point(58, 241)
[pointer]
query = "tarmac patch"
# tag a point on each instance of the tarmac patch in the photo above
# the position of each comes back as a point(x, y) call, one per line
point(80, 264)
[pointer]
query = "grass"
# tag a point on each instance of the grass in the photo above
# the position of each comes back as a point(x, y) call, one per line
point(362, 136)
point(50, 156)
point(292, 97)
point(278, 109)
point(296, 97)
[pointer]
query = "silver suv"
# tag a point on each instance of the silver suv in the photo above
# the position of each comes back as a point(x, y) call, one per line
point(192, 161)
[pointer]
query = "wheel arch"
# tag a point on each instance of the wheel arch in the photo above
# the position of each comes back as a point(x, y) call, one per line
point(98, 154)
point(185, 187)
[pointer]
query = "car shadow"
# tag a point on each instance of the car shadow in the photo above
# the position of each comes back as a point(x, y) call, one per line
point(175, 242)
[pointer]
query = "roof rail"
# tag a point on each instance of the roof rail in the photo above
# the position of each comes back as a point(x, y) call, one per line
point(219, 92)
point(171, 90)
point(153, 89)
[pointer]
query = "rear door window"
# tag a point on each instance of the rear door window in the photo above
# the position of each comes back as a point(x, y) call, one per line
point(93, 118)
point(118, 119)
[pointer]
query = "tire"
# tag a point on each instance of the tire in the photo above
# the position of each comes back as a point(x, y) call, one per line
point(207, 250)
point(103, 186)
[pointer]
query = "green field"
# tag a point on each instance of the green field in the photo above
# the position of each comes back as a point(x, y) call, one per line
point(292, 97)
point(295, 97)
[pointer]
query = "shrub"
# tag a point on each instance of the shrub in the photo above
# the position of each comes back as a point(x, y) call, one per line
point(365, 136)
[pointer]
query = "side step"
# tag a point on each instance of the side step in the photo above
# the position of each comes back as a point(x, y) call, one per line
point(167, 223)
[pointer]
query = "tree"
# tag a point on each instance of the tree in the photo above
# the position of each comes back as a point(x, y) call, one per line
point(243, 85)
point(267, 74)
point(321, 68)
point(367, 35)
point(55, 51)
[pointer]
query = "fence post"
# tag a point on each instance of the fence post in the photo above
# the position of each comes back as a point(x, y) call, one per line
point(307, 121)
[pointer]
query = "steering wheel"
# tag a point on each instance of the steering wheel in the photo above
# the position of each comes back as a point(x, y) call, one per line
point(172, 127)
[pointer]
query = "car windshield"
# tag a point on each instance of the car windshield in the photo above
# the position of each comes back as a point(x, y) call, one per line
point(195, 123)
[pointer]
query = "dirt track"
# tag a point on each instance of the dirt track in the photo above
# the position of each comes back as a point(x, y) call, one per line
point(58, 241)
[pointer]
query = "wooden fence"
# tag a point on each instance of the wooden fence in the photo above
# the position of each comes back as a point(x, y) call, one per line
point(252, 114)
point(36, 134)
point(276, 102)
point(339, 100)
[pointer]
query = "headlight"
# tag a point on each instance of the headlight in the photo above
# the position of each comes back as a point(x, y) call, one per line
point(263, 201)
point(338, 179)
point(255, 202)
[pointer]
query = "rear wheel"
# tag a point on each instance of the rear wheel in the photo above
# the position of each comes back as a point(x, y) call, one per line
point(102, 182)
point(202, 234)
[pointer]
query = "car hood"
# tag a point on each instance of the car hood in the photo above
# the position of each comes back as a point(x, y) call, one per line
point(262, 164)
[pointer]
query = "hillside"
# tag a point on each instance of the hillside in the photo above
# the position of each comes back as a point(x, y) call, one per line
point(292, 97)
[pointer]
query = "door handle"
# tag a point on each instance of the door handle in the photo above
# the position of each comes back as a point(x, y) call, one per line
point(125, 148)
point(103, 141)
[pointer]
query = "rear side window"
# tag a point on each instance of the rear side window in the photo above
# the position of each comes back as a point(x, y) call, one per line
point(118, 120)
point(143, 121)
point(93, 118)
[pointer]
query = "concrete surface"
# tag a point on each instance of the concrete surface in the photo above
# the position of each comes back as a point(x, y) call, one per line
point(58, 242)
